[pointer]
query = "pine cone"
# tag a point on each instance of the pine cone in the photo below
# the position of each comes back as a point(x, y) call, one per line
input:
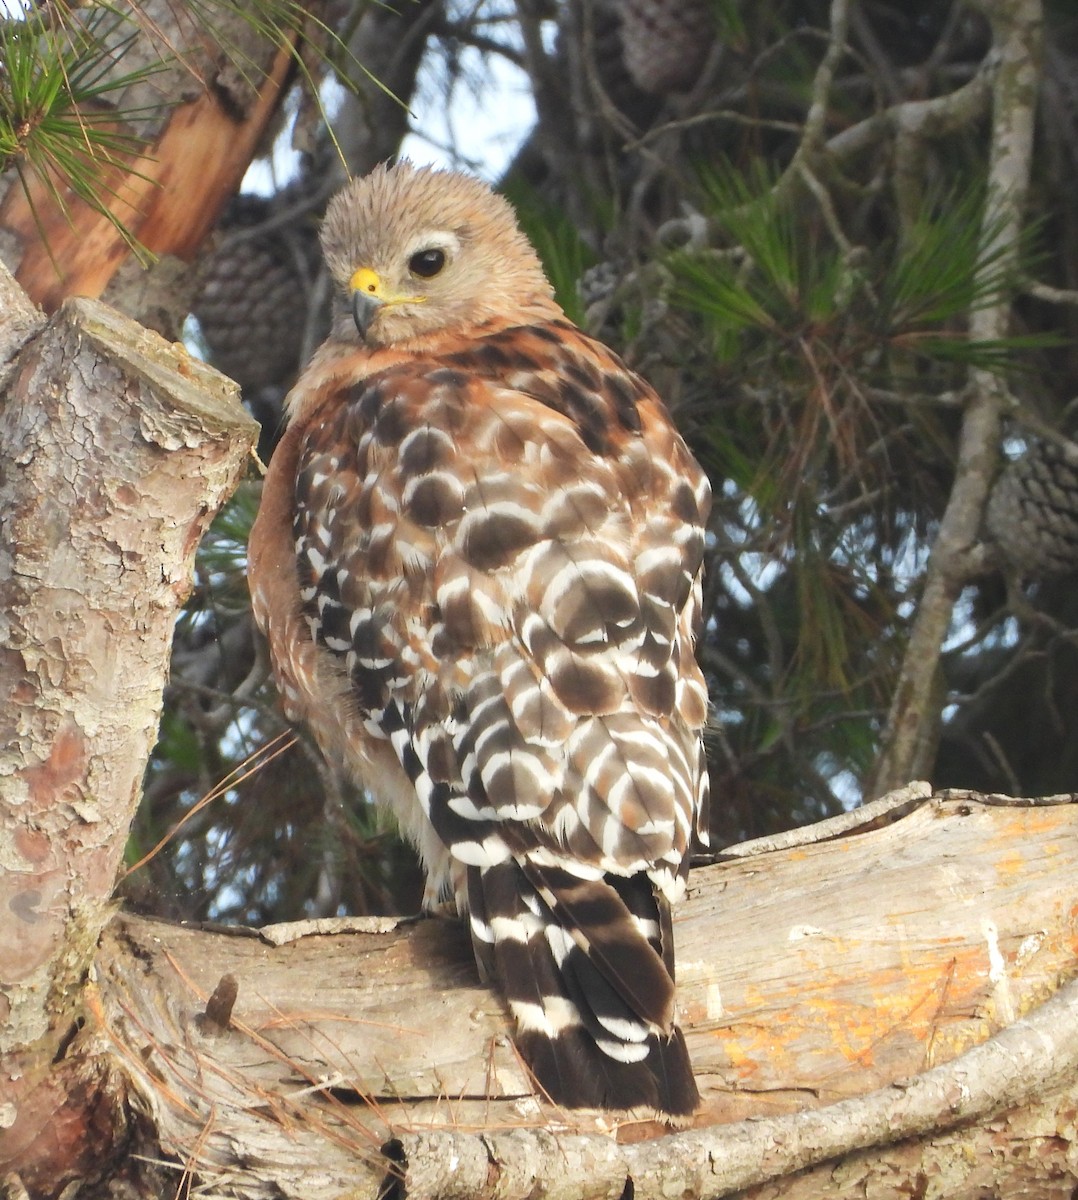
point(608, 56)
point(252, 303)
point(1032, 513)
point(666, 42)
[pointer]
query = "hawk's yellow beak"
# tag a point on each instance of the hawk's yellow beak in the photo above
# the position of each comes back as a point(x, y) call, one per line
point(369, 295)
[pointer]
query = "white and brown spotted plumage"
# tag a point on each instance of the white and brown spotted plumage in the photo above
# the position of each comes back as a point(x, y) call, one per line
point(477, 561)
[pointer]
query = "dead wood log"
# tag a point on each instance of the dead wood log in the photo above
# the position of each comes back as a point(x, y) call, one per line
point(839, 995)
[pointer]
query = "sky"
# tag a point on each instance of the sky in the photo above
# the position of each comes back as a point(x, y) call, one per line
point(485, 128)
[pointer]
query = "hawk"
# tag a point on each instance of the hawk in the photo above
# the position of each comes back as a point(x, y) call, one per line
point(477, 562)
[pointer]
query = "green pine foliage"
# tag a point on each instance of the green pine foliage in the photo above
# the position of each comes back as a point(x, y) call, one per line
point(814, 370)
point(58, 78)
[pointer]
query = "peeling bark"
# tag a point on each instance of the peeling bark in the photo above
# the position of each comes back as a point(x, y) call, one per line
point(115, 451)
point(201, 119)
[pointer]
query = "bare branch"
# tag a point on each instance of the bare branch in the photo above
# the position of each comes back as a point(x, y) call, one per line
point(909, 736)
point(822, 981)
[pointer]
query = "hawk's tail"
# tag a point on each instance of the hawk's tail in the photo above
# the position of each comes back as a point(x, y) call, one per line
point(586, 966)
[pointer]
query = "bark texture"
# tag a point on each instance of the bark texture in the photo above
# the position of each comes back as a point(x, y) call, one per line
point(868, 1001)
point(115, 451)
point(911, 736)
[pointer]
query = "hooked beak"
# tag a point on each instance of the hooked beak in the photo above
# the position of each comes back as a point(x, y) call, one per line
point(368, 296)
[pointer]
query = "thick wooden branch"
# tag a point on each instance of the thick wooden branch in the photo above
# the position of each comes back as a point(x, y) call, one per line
point(116, 449)
point(838, 996)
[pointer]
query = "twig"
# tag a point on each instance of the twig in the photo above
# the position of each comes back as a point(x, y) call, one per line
point(815, 120)
point(1052, 295)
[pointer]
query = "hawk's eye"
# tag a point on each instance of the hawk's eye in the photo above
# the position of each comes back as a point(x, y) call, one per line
point(426, 263)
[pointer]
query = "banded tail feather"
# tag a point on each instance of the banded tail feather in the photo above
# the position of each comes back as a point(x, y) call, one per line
point(586, 968)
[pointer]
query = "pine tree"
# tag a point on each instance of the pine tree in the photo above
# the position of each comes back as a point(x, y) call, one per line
point(839, 238)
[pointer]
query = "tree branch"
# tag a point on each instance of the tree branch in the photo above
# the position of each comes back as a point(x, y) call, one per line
point(910, 735)
point(200, 119)
point(1034, 1056)
point(811, 976)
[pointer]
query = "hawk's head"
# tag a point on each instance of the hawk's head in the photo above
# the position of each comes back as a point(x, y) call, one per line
point(417, 250)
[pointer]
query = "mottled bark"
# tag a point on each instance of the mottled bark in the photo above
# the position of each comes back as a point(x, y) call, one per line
point(116, 449)
point(908, 744)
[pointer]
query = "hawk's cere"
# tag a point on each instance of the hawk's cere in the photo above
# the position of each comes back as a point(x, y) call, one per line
point(477, 561)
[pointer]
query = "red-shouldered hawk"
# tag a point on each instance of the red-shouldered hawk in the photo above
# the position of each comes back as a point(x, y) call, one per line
point(477, 561)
